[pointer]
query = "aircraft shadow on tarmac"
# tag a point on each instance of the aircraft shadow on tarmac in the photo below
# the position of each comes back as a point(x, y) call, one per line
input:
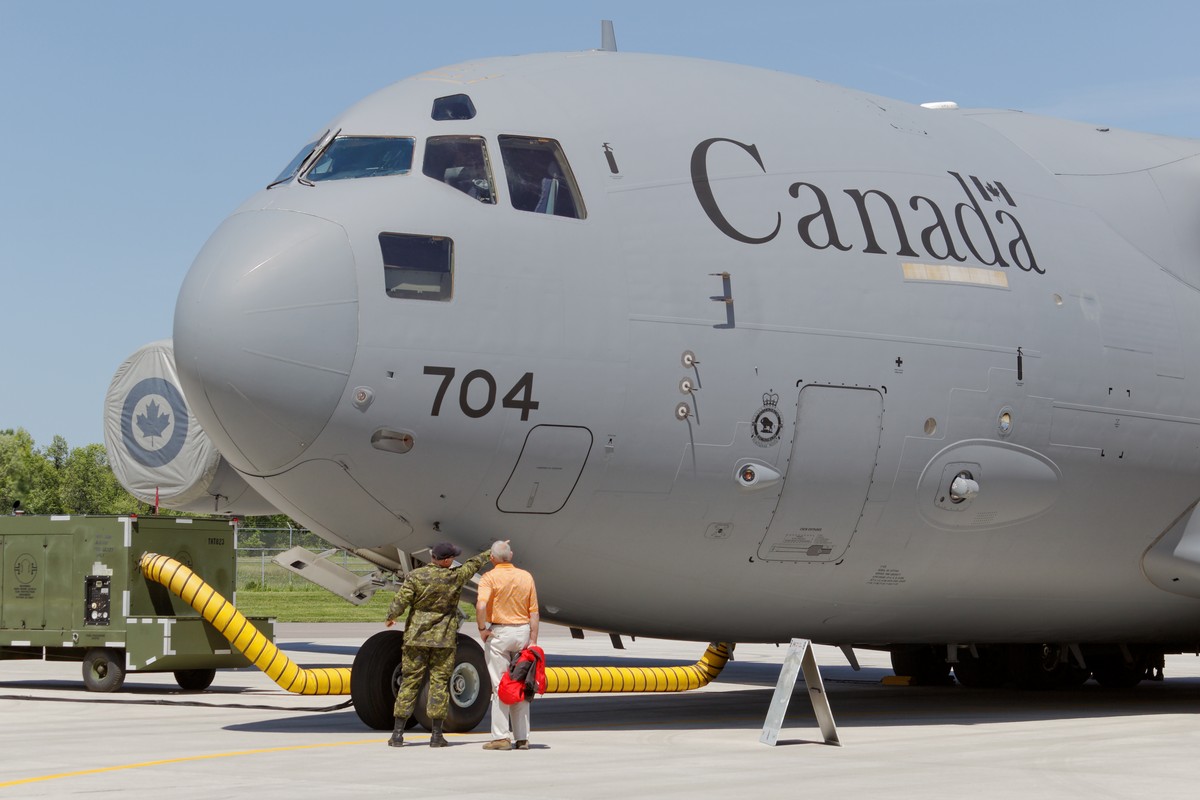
point(854, 705)
point(313, 647)
point(858, 699)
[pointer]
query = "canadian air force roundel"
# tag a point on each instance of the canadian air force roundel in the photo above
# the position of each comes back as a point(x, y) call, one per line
point(154, 422)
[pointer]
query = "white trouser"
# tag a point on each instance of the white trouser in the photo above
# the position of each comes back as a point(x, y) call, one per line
point(507, 721)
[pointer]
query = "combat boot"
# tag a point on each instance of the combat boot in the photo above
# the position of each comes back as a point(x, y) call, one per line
point(437, 739)
point(397, 739)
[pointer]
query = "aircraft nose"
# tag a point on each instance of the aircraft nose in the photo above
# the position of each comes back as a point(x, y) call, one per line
point(266, 328)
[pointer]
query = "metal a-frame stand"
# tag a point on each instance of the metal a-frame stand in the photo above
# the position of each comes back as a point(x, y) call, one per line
point(799, 657)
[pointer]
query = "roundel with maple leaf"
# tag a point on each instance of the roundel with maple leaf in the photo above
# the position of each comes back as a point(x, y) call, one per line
point(154, 422)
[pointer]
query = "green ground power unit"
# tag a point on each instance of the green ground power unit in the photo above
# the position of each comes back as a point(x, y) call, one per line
point(71, 590)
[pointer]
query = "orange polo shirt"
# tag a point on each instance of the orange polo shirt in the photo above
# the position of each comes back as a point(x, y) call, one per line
point(509, 594)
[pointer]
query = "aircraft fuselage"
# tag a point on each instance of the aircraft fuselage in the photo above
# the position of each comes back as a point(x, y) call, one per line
point(727, 396)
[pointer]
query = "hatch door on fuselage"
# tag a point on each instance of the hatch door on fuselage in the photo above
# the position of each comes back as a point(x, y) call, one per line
point(830, 468)
point(547, 470)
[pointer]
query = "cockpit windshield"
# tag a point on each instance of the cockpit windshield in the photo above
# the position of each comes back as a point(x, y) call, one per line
point(294, 165)
point(362, 157)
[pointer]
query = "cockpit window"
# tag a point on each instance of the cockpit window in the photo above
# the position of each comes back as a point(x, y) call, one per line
point(417, 267)
point(461, 162)
point(362, 157)
point(455, 106)
point(294, 165)
point(539, 177)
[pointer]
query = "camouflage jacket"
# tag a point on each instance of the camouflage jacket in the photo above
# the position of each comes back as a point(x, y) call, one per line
point(431, 594)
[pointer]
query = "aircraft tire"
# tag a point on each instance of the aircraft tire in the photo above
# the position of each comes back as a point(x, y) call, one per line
point(988, 671)
point(470, 690)
point(925, 664)
point(1112, 671)
point(194, 680)
point(375, 678)
point(104, 669)
point(1039, 667)
point(1075, 676)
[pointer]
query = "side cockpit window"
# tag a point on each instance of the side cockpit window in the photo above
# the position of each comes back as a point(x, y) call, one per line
point(539, 177)
point(362, 157)
point(417, 267)
point(460, 162)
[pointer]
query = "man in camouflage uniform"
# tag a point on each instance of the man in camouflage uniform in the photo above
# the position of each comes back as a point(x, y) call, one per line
point(430, 593)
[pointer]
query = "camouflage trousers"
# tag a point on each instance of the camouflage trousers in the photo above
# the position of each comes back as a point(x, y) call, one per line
point(417, 662)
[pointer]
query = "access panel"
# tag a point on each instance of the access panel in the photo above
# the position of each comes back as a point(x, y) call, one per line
point(25, 582)
point(547, 470)
point(829, 473)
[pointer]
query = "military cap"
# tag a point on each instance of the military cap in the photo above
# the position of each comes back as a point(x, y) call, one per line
point(445, 550)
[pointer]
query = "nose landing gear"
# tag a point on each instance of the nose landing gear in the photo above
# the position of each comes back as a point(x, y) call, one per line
point(375, 679)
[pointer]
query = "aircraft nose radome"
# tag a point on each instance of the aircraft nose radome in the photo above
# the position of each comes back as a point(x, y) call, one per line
point(266, 329)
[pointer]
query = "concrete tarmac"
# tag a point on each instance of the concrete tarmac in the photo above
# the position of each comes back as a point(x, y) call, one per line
point(245, 737)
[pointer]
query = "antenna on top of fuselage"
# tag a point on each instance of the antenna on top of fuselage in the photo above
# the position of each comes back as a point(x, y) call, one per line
point(608, 37)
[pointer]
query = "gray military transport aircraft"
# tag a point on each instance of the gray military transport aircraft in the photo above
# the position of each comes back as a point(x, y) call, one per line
point(728, 354)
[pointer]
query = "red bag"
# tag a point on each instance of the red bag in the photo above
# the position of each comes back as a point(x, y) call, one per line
point(525, 678)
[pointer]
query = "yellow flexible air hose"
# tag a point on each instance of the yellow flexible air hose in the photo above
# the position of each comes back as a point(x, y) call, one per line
point(640, 679)
point(240, 632)
point(262, 653)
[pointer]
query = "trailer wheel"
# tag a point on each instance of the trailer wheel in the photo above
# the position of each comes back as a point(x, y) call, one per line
point(470, 690)
point(103, 669)
point(375, 678)
point(194, 680)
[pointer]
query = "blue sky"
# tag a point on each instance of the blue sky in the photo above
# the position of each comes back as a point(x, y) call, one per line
point(131, 129)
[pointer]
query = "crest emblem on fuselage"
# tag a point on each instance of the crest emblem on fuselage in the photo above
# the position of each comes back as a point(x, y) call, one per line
point(768, 424)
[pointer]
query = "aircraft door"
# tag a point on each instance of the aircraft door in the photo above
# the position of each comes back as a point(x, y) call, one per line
point(829, 473)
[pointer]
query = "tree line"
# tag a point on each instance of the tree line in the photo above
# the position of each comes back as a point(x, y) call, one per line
point(60, 479)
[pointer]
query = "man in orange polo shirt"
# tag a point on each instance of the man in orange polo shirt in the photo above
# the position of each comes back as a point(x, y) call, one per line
point(506, 610)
